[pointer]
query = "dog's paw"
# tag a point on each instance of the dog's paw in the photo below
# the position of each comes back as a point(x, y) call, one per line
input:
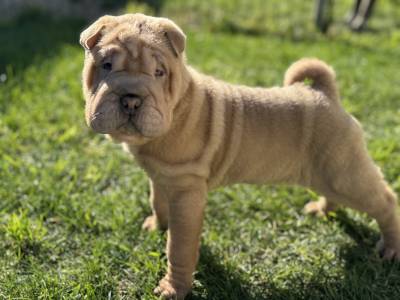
point(150, 223)
point(387, 251)
point(315, 208)
point(166, 290)
point(319, 208)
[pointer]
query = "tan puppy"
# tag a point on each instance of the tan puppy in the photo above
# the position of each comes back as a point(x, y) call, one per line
point(192, 133)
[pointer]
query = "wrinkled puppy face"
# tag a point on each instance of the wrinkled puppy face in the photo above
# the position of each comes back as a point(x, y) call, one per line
point(132, 75)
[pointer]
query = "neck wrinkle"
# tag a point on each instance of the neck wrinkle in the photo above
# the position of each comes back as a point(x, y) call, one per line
point(181, 111)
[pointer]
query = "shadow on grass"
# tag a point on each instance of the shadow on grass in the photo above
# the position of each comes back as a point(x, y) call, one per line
point(361, 234)
point(33, 37)
point(219, 282)
point(365, 271)
point(365, 275)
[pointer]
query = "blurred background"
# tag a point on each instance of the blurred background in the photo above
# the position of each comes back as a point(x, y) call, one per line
point(292, 19)
point(72, 203)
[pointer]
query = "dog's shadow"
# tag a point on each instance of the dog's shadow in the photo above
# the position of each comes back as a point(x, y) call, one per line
point(365, 275)
point(219, 281)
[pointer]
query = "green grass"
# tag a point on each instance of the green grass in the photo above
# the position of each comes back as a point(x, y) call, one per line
point(72, 203)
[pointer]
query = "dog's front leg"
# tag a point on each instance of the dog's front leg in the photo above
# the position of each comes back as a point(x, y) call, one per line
point(186, 210)
point(159, 207)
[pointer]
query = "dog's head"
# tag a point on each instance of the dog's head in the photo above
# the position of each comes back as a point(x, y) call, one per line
point(132, 77)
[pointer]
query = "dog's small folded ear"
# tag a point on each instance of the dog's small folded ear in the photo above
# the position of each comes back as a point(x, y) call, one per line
point(91, 35)
point(175, 37)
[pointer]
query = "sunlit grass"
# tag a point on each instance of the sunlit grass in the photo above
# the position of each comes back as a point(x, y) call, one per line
point(72, 203)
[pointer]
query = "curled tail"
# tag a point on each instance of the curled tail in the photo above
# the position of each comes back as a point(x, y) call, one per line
point(321, 75)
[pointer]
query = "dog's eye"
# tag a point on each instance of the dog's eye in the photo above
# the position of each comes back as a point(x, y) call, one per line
point(159, 73)
point(107, 66)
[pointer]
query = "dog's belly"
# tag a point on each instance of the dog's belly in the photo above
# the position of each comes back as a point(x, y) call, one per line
point(267, 160)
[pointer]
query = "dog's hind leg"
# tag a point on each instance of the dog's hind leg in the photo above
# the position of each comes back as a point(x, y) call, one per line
point(359, 184)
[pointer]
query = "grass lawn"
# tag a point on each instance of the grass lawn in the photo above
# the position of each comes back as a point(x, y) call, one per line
point(72, 203)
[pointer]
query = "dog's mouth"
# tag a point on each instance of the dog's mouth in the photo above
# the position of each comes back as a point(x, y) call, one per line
point(147, 122)
point(129, 127)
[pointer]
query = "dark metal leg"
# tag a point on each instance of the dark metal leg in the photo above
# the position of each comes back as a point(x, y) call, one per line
point(364, 11)
point(354, 12)
point(323, 14)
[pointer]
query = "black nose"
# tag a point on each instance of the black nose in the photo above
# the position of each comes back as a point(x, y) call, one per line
point(130, 103)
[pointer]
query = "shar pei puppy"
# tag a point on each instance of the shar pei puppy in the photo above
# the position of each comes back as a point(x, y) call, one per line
point(192, 133)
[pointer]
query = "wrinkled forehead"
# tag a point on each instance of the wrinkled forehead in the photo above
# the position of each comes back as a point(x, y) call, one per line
point(131, 49)
point(133, 34)
point(121, 39)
